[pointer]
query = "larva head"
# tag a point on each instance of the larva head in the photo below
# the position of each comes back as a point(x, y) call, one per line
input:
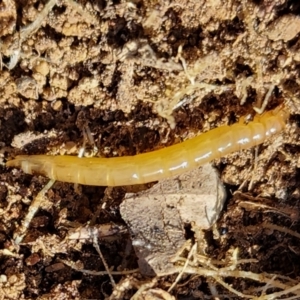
point(276, 122)
point(284, 115)
point(281, 113)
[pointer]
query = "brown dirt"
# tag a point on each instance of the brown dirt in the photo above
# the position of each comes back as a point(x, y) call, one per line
point(113, 67)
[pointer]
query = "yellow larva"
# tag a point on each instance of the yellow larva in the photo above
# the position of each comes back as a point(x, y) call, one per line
point(156, 165)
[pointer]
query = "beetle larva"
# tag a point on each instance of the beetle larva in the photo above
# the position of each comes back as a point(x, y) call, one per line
point(159, 164)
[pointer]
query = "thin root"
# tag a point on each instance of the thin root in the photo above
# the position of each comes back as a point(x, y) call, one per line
point(34, 207)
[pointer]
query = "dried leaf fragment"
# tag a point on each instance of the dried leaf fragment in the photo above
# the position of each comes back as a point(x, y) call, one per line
point(157, 217)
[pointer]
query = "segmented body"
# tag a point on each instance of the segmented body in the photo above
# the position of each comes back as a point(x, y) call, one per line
point(159, 164)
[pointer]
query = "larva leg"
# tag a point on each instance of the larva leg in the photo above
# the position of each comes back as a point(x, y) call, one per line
point(244, 119)
point(33, 208)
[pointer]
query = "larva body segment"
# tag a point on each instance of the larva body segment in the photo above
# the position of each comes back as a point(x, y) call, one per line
point(159, 164)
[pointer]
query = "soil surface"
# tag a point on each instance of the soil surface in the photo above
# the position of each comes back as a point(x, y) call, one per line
point(138, 76)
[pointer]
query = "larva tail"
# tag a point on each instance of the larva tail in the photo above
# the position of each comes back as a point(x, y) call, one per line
point(29, 164)
point(17, 162)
